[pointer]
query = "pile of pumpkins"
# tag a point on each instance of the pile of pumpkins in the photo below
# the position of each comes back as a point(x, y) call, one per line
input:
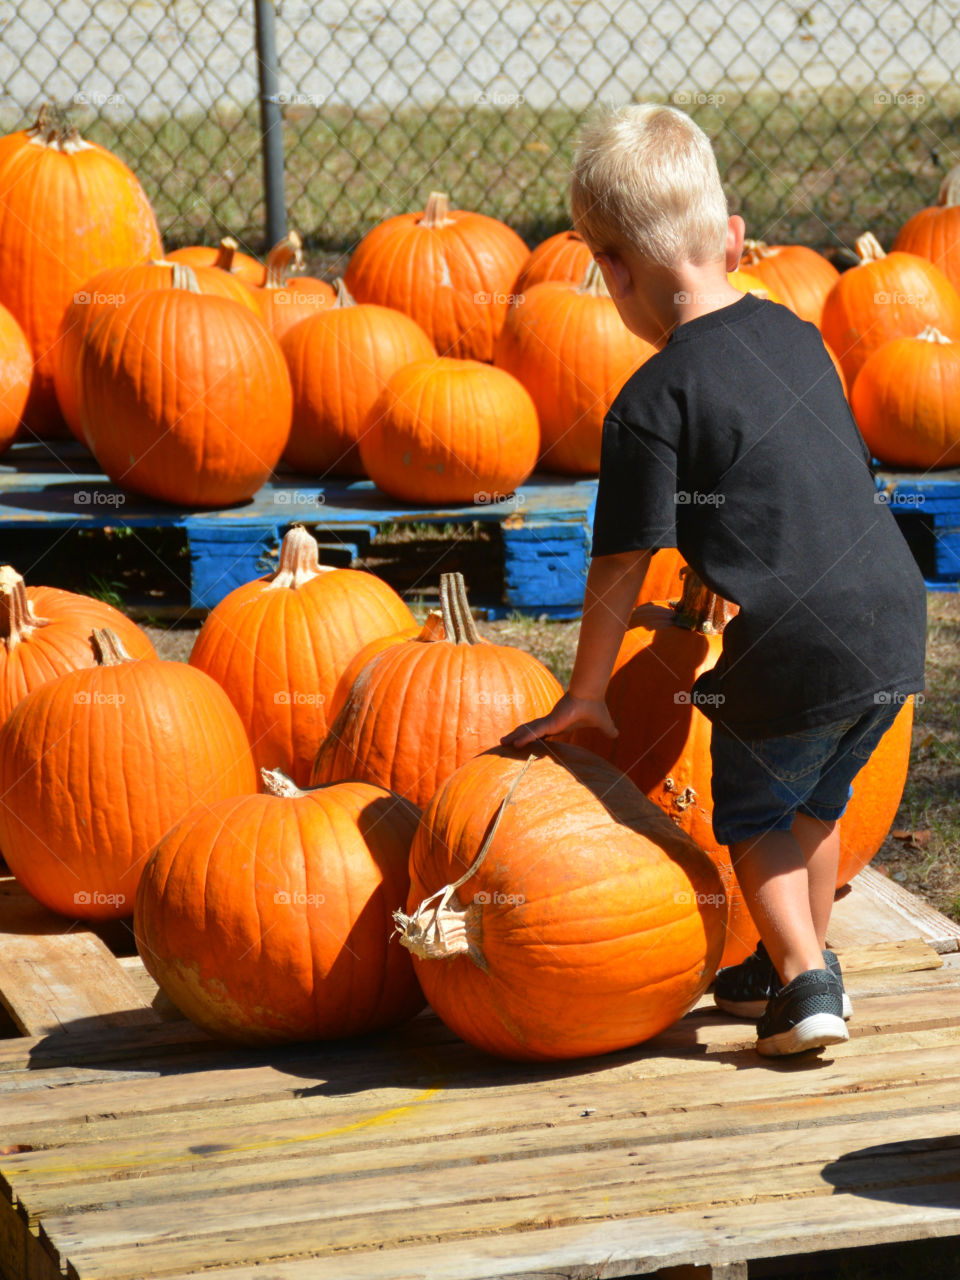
point(315, 829)
point(446, 365)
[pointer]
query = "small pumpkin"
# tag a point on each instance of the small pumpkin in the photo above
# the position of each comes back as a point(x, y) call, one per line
point(16, 374)
point(225, 257)
point(800, 277)
point(450, 270)
point(560, 257)
point(554, 912)
point(446, 430)
point(340, 359)
point(934, 233)
point(267, 918)
point(97, 764)
point(279, 645)
point(568, 346)
point(420, 709)
point(283, 300)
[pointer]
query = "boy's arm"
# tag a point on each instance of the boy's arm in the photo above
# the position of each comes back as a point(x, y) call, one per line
point(613, 583)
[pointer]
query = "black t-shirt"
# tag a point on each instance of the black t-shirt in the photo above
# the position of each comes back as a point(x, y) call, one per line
point(735, 444)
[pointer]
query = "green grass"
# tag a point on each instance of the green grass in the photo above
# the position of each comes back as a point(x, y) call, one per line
point(806, 167)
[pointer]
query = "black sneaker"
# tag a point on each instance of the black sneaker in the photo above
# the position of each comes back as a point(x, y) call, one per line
point(745, 989)
point(805, 1014)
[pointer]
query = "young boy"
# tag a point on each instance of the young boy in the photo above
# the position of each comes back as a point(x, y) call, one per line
point(735, 443)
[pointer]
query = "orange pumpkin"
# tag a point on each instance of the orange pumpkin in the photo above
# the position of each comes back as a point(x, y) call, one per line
point(420, 709)
point(46, 632)
point(107, 290)
point(934, 233)
point(433, 626)
point(339, 360)
point(445, 430)
point(893, 295)
point(184, 396)
point(68, 208)
point(839, 368)
point(268, 917)
point(225, 257)
point(800, 277)
point(877, 791)
point(283, 301)
point(905, 401)
point(664, 578)
point(560, 257)
point(279, 645)
point(16, 373)
point(553, 911)
point(450, 270)
point(746, 282)
point(568, 346)
point(98, 764)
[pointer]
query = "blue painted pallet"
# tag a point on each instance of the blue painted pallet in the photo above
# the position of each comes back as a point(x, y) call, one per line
point(545, 525)
point(927, 508)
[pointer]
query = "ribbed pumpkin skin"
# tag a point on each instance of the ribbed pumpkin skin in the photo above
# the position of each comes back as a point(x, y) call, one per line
point(268, 918)
point(934, 234)
point(64, 215)
point(663, 580)
point(800, 277)
point(97, 765)
point(906, 401)
point(339, 361)
point(243, 266)
point(573, 353)
point(855, 324)
point(63, 645)
point(280, 653)
point(281, 309)
point(184, 397)
point(601, 922)
point(358, 662)
point(16, 372)
point(560, 257)
point(449, 430)
point(108, 289)
point(876, 798)
point(419, 710)
point(454, 280)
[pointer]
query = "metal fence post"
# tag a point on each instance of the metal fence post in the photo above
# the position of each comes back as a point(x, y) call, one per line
point(271, 120)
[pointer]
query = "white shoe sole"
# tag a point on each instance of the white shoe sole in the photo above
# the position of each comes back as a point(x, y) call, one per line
point(815, 1032)
point(756, 1008)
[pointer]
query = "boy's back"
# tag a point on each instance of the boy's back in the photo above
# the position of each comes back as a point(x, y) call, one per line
point(736, 444)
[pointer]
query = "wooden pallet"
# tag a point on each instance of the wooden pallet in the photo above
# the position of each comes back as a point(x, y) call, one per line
point(138, 1147)
point(544, 526)
point(927, 508)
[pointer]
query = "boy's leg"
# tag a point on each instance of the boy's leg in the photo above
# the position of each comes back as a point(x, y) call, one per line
point(773, 875)
point(820, 842)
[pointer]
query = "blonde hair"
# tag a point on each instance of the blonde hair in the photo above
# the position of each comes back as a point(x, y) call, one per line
point(645, 177)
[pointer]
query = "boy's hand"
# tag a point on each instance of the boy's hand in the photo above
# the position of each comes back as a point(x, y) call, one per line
point(569, 713)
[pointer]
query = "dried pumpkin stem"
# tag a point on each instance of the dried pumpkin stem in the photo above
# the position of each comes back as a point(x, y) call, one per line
point(442, 927)
point(932, 334)
point(17, 619)
point(869, 248)
point(53, 129)
point(458, 623)
point(226, 253)
point(299, 560)
point(949, 193)
point(184, 277)
point(755, 250)
point(107, 648)
point(593, 282)
point(701, 609)
point(285, 256)
point(436, 214)
point(276, 783)
point(344, 298)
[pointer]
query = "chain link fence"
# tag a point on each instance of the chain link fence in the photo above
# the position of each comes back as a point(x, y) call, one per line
point(827, 117)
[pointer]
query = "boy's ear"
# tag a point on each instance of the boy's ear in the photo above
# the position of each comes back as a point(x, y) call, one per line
point(616, 273)
point(736, 230)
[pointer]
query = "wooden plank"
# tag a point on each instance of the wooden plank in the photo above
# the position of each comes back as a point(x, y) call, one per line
point(150, 992)
point(906, 956)
point(878, 909)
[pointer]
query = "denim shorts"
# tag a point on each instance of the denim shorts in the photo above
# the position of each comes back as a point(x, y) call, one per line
point(761, 785)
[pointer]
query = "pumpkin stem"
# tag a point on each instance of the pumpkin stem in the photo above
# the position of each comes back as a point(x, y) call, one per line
point(436, 214)
point(226, 253)
point(344, 297)
point(755, 250)
point(17, 619)
point(458, 623)
point(108, 649)
point(949, 193)
point(285, 256)
point(53, 129)
point(593, 282)
point(445, 928)
point(299, 560)
point(868, 248)
point(276, 783)
point(184, 278)
point(699, 608)
point(932, 334)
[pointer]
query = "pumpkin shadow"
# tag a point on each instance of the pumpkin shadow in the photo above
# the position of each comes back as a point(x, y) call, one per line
point(921, 1172)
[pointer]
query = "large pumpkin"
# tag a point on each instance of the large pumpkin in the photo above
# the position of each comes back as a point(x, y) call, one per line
point(568, 346)
point(420, 709)
point(279, 645)
point(268, 917)
point(432, 627)
point(446, 430)
point(226, 257)
point(554, 911)
point(450, 270)
point(68, 208)
point(800, 277)
point(339, 360)
point(934, 233)
point(184, 396)
point(906, 401)
point(107, 290)
point(560, 257)
point(98, 764)
point(664, 577)
point(284, 300)
point(45, 632)
point(16, 373)
point(889, 295)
